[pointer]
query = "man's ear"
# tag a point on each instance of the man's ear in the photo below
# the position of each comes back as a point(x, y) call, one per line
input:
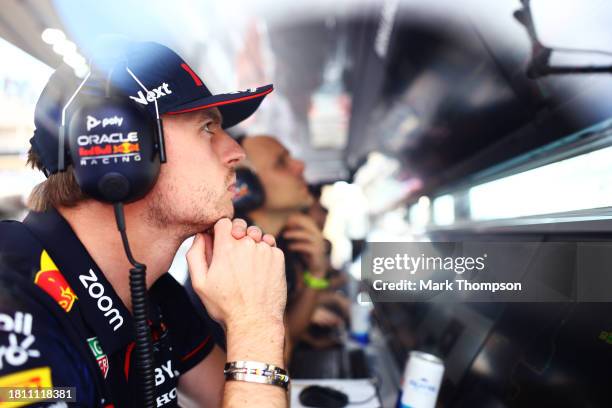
point(168, 121)
point(172, 124)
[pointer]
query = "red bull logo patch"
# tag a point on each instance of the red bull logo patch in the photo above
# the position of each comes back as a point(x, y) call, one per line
point(50, 279)
point(126, 148)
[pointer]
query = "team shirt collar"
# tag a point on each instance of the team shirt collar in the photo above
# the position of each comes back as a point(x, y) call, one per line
point(101, 308)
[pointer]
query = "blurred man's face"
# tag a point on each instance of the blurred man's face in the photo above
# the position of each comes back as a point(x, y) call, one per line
point(281, 175)
point(196, 185)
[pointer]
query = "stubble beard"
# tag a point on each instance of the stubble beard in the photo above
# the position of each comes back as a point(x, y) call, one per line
point(200, 211)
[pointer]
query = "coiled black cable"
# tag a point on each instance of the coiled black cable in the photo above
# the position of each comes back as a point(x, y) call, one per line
point(145, 360)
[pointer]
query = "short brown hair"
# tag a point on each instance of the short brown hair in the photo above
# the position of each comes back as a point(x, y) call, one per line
point(60, 189)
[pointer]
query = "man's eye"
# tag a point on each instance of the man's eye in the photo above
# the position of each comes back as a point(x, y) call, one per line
point(210, 127)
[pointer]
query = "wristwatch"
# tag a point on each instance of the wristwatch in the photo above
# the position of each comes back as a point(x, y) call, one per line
point(256, 372)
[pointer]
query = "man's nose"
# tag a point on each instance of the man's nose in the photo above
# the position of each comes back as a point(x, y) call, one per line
point(233, 153)
point(298, 167)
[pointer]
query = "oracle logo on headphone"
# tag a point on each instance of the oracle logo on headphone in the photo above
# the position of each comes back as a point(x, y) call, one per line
point(86, 140)
point(108, 148)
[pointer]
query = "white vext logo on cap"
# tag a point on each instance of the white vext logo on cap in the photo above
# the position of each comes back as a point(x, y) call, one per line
point(152, 95)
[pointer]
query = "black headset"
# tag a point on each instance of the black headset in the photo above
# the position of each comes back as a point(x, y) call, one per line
point(114, 145)
point(116, 149)
point(250, 194)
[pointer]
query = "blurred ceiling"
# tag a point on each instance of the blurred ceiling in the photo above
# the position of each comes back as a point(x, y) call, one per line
point(436, 84)
point(23, 21)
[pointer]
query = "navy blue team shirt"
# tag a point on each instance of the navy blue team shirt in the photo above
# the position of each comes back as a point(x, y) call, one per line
point(63, 325)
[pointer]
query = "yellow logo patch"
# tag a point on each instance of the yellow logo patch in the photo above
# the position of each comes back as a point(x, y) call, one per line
point(32, 378)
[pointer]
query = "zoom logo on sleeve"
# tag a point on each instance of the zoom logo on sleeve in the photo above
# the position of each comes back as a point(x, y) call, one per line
point(17, 351)
point(104, 303)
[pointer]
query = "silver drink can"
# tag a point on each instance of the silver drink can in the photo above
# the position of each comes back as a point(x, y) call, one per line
point(422, 380)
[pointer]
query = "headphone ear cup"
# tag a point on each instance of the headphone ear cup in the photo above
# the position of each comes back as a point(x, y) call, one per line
point(112, 149)
point(250, 194)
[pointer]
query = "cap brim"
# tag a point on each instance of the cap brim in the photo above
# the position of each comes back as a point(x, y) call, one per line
point(234, 107)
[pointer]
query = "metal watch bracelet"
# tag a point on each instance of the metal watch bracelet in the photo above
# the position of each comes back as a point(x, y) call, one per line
point(256, 372)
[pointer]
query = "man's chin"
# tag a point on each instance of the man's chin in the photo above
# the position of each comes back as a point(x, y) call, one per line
point(309, 201)
point(227, 211)
point(306, 205)
point(221, 211)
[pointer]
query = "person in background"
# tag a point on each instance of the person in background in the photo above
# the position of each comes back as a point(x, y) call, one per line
point(285, 213)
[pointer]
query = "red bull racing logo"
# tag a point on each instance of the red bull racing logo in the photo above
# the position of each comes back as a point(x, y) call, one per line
point(95, 151)
point(108, 148)
point(49, 279)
